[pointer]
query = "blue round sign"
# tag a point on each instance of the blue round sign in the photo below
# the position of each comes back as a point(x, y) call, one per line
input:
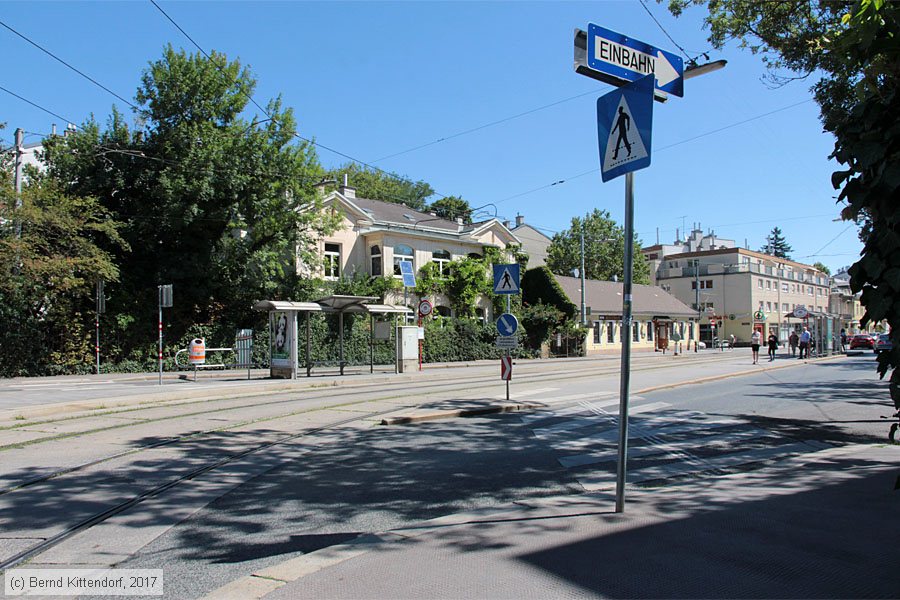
point(507, 324)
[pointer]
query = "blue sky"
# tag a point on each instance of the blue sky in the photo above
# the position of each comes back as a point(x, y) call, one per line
point(374, 79)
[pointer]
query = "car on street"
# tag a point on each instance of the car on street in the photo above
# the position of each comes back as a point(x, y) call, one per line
point(883, 343)
point(862, 340)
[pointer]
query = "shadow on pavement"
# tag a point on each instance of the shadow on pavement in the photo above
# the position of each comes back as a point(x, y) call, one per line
point(830, 542)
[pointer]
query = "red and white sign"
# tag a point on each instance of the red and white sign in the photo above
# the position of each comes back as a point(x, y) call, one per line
point(505, 368)
point(712, 322)
point(425, 308)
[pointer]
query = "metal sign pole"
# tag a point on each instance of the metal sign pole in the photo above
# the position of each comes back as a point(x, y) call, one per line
point(160, 341)
point(508, 353)
point(626, 344)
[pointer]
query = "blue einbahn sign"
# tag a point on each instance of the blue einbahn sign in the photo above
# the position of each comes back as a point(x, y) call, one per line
point(629, 59)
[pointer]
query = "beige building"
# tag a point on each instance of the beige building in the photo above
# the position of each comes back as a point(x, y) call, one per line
point(374, 237)
point(736, 288)
point(845, 304)
point(534, 242)
point(658, 318)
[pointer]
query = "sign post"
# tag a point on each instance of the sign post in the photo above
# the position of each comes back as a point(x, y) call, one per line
point(165, 301)
point(425, 308)
point(506, 281)
point(101, 308)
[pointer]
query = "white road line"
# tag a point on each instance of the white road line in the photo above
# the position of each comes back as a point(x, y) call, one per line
point(664, 450)
point(606, 480)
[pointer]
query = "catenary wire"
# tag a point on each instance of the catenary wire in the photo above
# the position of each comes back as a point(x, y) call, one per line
point(86, 76)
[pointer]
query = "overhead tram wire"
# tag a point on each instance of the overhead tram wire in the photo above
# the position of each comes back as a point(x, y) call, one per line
point(55, 57)
point(34, 104)
point(485, 126)
point(691, 139)
point(643, 4)
point(265, 112)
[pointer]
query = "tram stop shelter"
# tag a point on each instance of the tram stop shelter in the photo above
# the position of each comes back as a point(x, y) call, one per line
point(284, 356)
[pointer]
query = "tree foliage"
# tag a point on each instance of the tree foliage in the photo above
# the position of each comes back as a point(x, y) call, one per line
point(51, 255)
point(451, 207)
point(822, 267)
point(380, 185)
point(210, 202)
point(604, 250)
point(855, 46)
point(776, 245)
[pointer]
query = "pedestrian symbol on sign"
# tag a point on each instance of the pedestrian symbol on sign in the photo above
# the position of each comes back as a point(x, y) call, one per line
point(623, 125)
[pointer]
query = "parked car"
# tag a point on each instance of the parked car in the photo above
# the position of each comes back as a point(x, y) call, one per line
point(862, 340)
point(883, 344)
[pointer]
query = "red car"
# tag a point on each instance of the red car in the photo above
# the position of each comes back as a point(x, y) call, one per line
point(862, 340)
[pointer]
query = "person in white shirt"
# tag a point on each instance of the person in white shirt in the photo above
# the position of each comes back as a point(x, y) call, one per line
point(755, 340)
point(804, 343)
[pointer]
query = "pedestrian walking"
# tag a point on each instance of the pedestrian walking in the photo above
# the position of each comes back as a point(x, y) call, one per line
point(773, 346)
point(843, 341)
point(793, 340)
point(755, 340)
point(805, 337)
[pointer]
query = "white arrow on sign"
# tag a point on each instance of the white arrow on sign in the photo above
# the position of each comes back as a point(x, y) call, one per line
point(635, 60)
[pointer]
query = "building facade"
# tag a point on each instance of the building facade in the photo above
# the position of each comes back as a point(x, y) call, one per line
point(658, 318)
point(734, 290)
point(374, 237)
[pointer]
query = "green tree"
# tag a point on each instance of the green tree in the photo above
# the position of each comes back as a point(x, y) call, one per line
point(380, 185)
point(604, 250)
point(452, 207)
point(776, 245)
point(822, 267)
point(854, 46)
point(47, 274)
point(217, 205)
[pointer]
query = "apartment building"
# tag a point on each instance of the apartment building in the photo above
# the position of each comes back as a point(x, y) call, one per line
point(734, 289)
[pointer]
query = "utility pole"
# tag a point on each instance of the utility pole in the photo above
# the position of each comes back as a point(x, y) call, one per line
point(697, 300)
point(20, 161)
point(583, 311)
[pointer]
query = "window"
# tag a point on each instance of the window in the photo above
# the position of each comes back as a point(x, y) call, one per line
point(784, 287)
point(610, 332)
point(444, 311)
point(442, 259)
point(332, 261)
point(809, 290)
point(375, 254)
point(784, 306)
point(635, 332)
point(479, 314)
point(759, 283)
point(650, 331)
point(704, 285)
point(708, 284)
point(402, 252)
point(597, 326)
point(768, 284)
point(768, 307)
point(819, 291)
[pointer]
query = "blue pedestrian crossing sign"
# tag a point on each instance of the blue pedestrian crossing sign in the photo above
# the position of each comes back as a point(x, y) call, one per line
point(506, 279)
point(507, 324)
point(624, 128)
point(406, 271)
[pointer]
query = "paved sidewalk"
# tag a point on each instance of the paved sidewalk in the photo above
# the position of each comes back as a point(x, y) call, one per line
point(821, 525)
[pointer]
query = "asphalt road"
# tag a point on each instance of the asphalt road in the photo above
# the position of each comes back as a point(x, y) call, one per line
point(343, 483)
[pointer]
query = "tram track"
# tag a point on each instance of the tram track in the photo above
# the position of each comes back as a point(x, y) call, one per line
point(357, 389)
point(120, 507)
point(399, 390)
